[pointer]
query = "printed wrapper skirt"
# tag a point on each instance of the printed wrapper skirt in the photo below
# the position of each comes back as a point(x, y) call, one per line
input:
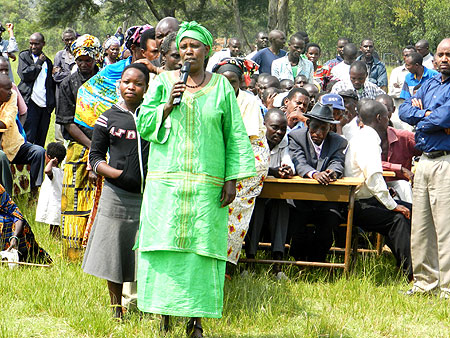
point(77, 196)
point(241, 209)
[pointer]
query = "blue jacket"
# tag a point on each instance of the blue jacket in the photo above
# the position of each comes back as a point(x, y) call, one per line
point(377, 73)
point(430, 130)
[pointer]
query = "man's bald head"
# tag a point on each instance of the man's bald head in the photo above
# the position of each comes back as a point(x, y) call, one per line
point(387, 101)
point(277, 39)
point(359, 67)
point(164, 27)
point(442, 58)
point(349, 52)
point(423, 47)
point(369, 111)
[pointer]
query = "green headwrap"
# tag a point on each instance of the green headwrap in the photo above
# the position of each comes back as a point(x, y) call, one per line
point(195, 31)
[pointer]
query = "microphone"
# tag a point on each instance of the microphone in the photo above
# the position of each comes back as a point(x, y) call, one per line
point(184, 72)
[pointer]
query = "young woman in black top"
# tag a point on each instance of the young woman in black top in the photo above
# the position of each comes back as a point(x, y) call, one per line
point(109, 254)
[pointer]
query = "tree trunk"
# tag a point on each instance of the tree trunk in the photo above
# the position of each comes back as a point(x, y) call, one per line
point(237, 17)
point(278, 15)
point(273, 15)
point(283, 16)
point(153, 9)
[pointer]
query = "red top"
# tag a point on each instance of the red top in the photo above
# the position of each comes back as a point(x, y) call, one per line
point(400, 152)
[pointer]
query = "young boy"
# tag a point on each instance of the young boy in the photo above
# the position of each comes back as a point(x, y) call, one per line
point(49, 204)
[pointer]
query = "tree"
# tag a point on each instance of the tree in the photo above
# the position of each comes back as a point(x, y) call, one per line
point(278, 15)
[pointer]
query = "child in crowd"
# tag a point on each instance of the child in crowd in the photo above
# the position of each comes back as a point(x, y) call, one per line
point(49, 204)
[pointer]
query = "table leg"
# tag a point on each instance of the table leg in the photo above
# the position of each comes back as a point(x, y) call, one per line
point(348, 239)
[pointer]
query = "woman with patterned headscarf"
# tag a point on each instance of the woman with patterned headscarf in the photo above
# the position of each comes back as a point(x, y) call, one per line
point(77, 192)
point(237, 70)
point(199, 149)
point(95, 96)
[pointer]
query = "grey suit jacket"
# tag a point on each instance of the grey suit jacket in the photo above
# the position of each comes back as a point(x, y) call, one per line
point(305, 159)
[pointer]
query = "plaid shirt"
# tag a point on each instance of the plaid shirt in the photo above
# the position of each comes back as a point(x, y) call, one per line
point(369, 90)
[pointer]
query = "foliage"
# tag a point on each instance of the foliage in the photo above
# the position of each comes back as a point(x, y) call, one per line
point(390, 23)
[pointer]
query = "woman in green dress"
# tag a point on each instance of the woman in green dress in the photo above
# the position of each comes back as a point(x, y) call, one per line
point(199, 149)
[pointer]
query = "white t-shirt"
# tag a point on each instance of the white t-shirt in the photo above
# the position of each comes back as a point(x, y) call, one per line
point(49, 204)
point(341, 72)
point(39, 94)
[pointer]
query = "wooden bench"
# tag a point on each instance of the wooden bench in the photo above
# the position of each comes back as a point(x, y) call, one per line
point(298, 188)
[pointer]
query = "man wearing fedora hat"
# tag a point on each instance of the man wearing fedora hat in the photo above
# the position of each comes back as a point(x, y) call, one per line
point(316, 153)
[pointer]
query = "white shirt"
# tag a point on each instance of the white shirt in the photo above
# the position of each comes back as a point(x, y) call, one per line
point(397, 76)
point(252, 54)
point(48, 209)
point(350, 129)
point(428, 61)
point(318, 151)
point(341, 72)
point(217, 56)
point(279, 155)
point(363, 159)
point(39, 94)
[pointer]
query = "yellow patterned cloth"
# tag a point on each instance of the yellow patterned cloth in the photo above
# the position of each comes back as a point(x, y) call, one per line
point(77, 196)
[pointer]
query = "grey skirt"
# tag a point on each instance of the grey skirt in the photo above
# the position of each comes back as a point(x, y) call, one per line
point(109, 253)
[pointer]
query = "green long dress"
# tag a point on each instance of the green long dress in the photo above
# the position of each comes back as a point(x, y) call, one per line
point(182, 243)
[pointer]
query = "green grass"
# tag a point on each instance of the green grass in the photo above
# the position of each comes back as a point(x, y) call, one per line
point(62, 301)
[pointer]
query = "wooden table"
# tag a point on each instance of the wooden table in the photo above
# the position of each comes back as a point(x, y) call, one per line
point(298, 188)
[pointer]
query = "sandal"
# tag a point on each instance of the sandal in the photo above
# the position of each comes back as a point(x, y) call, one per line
point(164, 325)
point(194, 330)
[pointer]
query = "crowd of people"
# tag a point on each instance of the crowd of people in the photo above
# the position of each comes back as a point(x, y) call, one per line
point(162, 147)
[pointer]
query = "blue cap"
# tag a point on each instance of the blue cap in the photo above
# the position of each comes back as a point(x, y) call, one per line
point(334, 99)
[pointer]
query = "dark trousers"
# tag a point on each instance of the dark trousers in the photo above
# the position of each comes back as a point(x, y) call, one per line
point(36, 125)
point(6, 177)
point(277, 214)
point(371, 215)
point(313, 244)
point(35, 156)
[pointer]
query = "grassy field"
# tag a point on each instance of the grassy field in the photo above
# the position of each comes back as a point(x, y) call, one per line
point(62, 301)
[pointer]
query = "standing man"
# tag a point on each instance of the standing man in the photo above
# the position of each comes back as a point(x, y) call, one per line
point(341, 71)
point(340, 54)
point(375, 68)
point(164, 27)
point(8, 47)
point(233, 50)
point(64, 62)
point(261, 41)
point(423, 48)
point(292, 64)
point(37, 88)
point(429, 111)
point(397, 78)
point(417, 75)
point(266, 56)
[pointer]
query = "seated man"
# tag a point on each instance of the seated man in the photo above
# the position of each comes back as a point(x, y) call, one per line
point(398, 149)
point(13, 143)
point(358, 83)
point(277, 211)
point(375, 209)
point(316, 153)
